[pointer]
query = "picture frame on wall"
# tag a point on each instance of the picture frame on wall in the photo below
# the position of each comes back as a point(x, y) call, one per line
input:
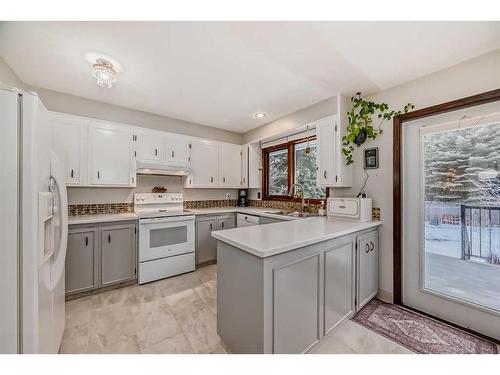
point(370, 158)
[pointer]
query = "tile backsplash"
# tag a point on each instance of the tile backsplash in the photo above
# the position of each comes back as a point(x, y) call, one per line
point(210, 203)
point(100, 208)
point(283, 205)
point(117, 208)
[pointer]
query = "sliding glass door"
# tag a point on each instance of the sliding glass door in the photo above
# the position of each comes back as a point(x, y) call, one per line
point(451, 217)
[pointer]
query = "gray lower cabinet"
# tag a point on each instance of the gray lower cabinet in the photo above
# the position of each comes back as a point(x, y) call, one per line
point(100, 255)
point(367, 268)
point(118, 262)
point(289, 302)
point(81, 261)
point(206, 245)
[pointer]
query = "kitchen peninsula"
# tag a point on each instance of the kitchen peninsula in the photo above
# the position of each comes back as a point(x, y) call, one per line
point(283, 287)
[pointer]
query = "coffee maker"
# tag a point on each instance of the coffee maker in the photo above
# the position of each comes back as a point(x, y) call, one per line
point(242, 198)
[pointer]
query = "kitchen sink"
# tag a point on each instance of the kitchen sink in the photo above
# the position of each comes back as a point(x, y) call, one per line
point(291, 213)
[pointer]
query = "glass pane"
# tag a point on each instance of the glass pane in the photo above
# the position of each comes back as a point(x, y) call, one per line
point(462, 214)
point(305, 169)
point(278, 172)
point(167, 236)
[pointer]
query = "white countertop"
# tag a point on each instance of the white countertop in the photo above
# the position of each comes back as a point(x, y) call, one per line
point(276, 238)
point(101, 218)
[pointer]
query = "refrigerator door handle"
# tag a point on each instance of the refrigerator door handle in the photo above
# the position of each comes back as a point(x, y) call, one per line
point(59, 185)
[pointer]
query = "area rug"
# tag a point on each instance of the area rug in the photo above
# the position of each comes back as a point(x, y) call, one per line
point(419, 333)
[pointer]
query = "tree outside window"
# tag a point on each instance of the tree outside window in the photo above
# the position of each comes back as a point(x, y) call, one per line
point(292, 162)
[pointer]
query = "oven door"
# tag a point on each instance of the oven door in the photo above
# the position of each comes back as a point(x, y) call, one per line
point(166, 236)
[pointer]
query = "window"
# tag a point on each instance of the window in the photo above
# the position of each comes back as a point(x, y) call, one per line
point(289, 163)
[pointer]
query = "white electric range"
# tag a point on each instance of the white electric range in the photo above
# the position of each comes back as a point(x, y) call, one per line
point(166, 236)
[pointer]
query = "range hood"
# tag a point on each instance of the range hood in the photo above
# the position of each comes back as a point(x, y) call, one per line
point(161, 168)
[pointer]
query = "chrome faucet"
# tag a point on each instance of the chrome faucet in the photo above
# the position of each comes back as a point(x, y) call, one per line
point(291, 191)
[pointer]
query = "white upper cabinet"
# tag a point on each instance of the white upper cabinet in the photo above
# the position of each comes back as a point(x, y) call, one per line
point(149, 146)
point(332, 168)
point(111, 155)
point(204, 164)
point(178, 150)
point(254, 166)
point(244, 167)
point(325, 133)
point(230, 160)
point(69, 141)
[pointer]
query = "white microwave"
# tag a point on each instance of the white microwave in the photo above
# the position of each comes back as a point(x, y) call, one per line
point(356, 209)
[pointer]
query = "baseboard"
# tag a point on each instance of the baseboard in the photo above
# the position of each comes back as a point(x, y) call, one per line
point(385, 296)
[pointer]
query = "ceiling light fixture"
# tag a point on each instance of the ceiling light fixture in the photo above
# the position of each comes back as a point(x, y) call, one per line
point(260, 115)
point(104, 72)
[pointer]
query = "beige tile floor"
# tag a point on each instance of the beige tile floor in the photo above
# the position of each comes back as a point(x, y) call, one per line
point(177, 315)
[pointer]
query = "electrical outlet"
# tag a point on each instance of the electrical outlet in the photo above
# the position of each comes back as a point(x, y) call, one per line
point(228, 195)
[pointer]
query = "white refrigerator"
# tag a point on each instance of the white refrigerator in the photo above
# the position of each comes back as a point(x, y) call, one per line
point(33, 227)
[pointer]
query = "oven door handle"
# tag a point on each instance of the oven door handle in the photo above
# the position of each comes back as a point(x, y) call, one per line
point(169, 219)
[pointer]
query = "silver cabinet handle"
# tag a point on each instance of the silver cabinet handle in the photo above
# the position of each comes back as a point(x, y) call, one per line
point(244, 179)
point(324, 174)
point(222, 225)
point(72, 173)
point(98, 174)
point(224, 179)
point(156, 152)
point(211, 179)
point(372, 246)
point(173, 154)
point(211, 227)
point(86, 241)
point(109, 238)
point(367, 248)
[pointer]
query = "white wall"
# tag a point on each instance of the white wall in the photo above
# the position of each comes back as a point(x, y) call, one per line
point(293, 120)
point(472, 77)
point(90, 195)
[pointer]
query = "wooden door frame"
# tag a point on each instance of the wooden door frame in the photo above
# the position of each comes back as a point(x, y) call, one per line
point(398, 122)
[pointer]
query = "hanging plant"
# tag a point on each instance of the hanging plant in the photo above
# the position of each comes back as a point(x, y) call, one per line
point(360, 126)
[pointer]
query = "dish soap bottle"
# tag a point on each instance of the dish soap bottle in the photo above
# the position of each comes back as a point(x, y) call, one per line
point(322, 209)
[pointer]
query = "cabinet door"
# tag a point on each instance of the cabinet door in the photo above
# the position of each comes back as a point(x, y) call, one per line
point(69, 142)
point(254, 166)
point(81, 256)
point(325, 157)
point(205, 164)
point(111, 156)
point(296, 300)
point(178, 150)
point(367, 273)
point(230, 165)
point(244, 167)
point(226, 222)
point(149, 147)
point(206, 245)
point(339, 285)
point(118, 260)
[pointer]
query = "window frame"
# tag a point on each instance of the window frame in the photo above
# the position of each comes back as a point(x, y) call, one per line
point(290, 146)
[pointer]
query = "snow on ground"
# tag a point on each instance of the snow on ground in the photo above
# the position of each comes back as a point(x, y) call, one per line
point(445, 239)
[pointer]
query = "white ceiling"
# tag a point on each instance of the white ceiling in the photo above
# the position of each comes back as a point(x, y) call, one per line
point(221, 73)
